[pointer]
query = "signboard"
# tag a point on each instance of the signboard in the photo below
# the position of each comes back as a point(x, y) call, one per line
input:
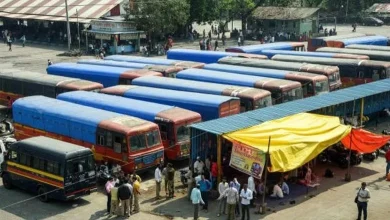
point(103, 36)
point(111, 26)
point(247, 159)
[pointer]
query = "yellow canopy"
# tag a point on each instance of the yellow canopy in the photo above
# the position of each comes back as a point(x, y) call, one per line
point(295, 140)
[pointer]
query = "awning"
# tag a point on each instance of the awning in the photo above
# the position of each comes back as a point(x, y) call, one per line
point(54, 10)
point(295, 140)
point(364, 141)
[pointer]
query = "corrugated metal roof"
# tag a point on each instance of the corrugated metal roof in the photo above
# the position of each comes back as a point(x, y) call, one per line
point(282, 13)
point(54, 10)
point(379, 8)
point(251, 118)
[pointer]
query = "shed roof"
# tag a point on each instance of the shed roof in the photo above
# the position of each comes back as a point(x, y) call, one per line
point(283, 13)
point(379, 8)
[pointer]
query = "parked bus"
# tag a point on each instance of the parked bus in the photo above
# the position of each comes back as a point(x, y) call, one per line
point(51, 168)
point(206, 56)
point(16, 84)
point(250, 98)
point(314, 43)
point(156, 61)
point(106, 75)
point(173, 122)
point(352, 72)
point(208, 106)
point(368, 47)
point(366, 40)
point(331, 72)
point(256, 49)
point(271, 53)
point(312, 84)
point(167, 71)
point(373, 54)
point(281, 90)
point(131, 142)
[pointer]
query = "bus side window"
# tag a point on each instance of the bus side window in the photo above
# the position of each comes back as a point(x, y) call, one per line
point(22, 159)
point(109, 139)
point(35, 162)
point(42, 164)
point(118, 147)
point(361, 74)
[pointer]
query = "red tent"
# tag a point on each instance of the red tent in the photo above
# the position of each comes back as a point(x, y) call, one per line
point(364, 141)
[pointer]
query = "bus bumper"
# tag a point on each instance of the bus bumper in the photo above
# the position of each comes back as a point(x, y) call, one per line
point(81, 193)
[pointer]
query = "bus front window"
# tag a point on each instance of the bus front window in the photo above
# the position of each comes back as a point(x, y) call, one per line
point(183, 133)
point(80, 165)
point(332, 78)
point(137, 142)
point(263, 102)
point(293, 94)
point(153, 138)
point(321, 87)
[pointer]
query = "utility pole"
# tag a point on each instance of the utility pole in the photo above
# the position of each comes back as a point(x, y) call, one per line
point(67, 24)
point(78, 27)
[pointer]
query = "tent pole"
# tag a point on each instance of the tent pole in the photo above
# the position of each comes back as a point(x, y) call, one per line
point(219, 160)
point(348, 174)
point(263, 205)
point(361, 112)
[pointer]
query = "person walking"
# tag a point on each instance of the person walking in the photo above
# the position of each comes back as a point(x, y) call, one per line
point(190, 182)
point(23, 39)
point(237, 186)
point(9, 41)
point(124, 194)
point(246, 196)
point(114, 201)
point(171, 179)
point(196, 198)
point(109, 185)
point(136, 193)
point(363, 196)
point(252, 187)
point(222, 187)
point(158, 178)
point(205, 187)
point(232, 199)
point(387, 156)
point(239, 41)
point(216, 45)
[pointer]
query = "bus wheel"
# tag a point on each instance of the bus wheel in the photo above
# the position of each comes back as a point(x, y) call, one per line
point(7, 182)
point(43, 195)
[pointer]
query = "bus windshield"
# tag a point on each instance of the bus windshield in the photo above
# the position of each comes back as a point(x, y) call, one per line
point(321, 87)
point(183, 133)
point(292, 95)
point(263, 102)
point(142, 141)
point(80, 165)
point(153, 138)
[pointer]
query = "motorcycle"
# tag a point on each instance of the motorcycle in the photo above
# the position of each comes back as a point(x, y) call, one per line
point(339, 155)
point(7, 141)
point(371, 156)
point(183, 178)
point(102, 174)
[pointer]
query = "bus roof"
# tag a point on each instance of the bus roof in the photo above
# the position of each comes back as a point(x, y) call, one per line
point(373, 54)
point(50, 148)
point(206, 56)
point(262, 72)
point(368, 40)
point(137, 108)
point(269, 84)
point(368, 47)
point(271, 53)
point(200, 87)
point(155, 61)
point(106, 75)
point(274, 64)
point(339, 37)
point(331, 61)
point(72, 119)
point(256, 49)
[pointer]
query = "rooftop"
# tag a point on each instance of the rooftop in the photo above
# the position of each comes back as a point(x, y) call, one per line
point(283, 13)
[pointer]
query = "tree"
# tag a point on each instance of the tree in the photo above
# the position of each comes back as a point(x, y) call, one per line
point(159, 16)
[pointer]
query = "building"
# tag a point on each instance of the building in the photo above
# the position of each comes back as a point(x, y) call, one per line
point(380, 10)
point(288, 20)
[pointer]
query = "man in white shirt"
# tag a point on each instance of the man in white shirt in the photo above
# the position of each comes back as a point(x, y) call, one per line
point(198, 166)
point(158, 178)
point(277, 192)
point(251, 186)
point(363, 197)
point(198, 178)
point(222, 187)
point(196, 199)
point(246, 197)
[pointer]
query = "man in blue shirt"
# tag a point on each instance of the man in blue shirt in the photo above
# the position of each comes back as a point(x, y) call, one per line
point(205, 187)
point(196, 198)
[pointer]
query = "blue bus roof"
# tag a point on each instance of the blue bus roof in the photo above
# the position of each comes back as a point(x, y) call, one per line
point(60, 117)
point(181, 85)
point(368, 40)
point(106, 75)
point(204, 56)
point(114, 63)
point(253, 71)
point(141, 109)
point(256, 49)
point(219, 77)
point(271, 53)
point(147, 60)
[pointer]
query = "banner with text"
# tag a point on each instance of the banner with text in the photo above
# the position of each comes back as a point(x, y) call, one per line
point(247, 159)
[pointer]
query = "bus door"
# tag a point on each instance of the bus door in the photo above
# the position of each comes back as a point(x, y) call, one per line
point(119, 148)
point(167, 137)
point(111, 146)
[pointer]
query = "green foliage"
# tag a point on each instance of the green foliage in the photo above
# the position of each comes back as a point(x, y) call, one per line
point(158, 16)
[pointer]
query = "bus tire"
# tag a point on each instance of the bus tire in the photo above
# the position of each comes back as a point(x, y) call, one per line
point(7, 182)
point(43, 195)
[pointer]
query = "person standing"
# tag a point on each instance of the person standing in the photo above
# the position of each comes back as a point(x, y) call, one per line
point(136, 193)
point(135, 175)
point(164, 173)
point(387, 156)
point(49, 63)
point(198, 165)
point(246, 196)
point(239, 41)
point(216, 45)
point(9, 41)
point(23, 39)
point(222, 187)
point(158, 178)
point(124, 194)
point(171, 179)
point(196, 198)
point(205, 187)
point(237, 186)
point(114, 200)
point(252, 187)
point(232, 199)
point(363, 196)
point(109, 185)
point(190, 182)
point(214, 174)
